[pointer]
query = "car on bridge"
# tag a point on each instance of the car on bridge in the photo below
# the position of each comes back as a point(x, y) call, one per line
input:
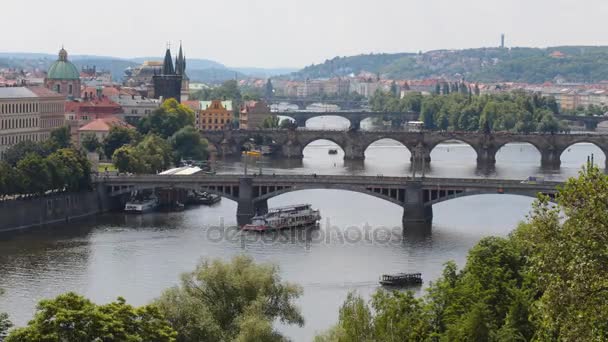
point(533, 180)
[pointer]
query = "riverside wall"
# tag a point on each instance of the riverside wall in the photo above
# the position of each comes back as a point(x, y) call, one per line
point(54, 209)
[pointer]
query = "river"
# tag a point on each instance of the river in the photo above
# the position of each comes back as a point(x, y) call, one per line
point(360, 237)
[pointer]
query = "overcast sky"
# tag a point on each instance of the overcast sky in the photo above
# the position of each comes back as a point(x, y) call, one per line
point(294, 33)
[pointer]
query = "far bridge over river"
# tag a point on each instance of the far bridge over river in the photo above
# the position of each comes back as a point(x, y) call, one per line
point(420, 144)
point(415, 196)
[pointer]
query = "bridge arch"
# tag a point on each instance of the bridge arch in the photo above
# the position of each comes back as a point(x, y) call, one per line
point(323, 139)
point(448, 144)
point(399, 151)
point(222, 191)
point(508, 152)
point(343, 124)
point(575, 153)
point(393, 195)
point(432, 198)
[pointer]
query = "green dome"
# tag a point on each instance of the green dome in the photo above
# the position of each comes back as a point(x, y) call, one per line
point(63, 69)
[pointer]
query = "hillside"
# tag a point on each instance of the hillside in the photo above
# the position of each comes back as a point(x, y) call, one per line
point(199, 70)
point(531, 65)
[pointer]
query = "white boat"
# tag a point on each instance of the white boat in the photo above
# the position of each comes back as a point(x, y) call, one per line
point(293, 216)
point(144, 205)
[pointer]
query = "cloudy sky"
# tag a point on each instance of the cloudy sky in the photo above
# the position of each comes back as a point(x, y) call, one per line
point(294, 33)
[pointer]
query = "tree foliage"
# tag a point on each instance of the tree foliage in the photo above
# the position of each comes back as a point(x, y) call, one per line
point(118, 137)
point(90, 142)
point(187, 143)
point(5, 323)
point(459, 111)
point(70, 317)
point(545, 282)
point(238, 300)
point(167, 120)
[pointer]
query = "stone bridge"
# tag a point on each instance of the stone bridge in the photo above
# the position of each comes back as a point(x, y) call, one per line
point(420, 144)
point(303, 102)
point(354, 117)
point(416, 196)
point(590, 122)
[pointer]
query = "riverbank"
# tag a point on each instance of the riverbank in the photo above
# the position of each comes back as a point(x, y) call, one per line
point(59, 208)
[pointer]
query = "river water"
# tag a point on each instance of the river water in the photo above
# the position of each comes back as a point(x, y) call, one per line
point(360, 236)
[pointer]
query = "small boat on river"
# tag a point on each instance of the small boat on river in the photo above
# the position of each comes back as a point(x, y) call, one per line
point(401, 279)
point(293, 216)
point(203, 197)
point(141, 205)
point(332, 151)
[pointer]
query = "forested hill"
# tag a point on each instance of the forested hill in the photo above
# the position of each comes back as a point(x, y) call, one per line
point(531, 65)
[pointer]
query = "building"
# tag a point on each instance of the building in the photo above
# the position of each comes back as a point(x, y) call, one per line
point(91, 109)
point(28, 113)
point(100, 127)
point(63, 77)
point(214, 115)
point(336, 86)
point(135, 107)
point(180, 69)
point(252, 114)
point(168, 84)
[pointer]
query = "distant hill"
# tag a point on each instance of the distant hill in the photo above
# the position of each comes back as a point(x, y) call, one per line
point(199, 70)
point(531, 65)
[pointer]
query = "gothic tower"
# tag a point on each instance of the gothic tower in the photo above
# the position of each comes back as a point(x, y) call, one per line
point(180, 69)
point(168, 84)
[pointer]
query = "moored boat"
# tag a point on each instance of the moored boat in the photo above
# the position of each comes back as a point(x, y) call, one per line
point(140, 205)
point(401, 279)
point(293, 216)
point(332, 151)
point(198, 197)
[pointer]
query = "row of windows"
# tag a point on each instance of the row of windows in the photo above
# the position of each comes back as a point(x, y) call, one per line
point(52, 123)
point(136, 111)
point(15, 139)
point(19, 123)
point(58, 107)
point(215, 114)
point(18, 108)
point(205, 127)
point(221, 121)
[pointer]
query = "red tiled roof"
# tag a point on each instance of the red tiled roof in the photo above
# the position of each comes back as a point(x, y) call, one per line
point(103, 125)
point(193, 104)
point(43, 92)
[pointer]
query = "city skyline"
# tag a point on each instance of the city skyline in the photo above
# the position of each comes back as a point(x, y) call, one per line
point(287, 33)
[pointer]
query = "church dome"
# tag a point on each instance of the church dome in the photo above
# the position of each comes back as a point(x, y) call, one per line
point(63, 69)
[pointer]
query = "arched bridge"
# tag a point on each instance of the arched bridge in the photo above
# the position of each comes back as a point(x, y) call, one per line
point(416, 196)
point(303, 102)
point(354, 117)
point(420, 144)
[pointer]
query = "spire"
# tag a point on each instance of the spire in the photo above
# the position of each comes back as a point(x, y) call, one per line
point(168, 64)
point(180, 61)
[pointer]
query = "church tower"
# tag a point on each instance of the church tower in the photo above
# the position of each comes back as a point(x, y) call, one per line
point(180, 69)
point(168, 84)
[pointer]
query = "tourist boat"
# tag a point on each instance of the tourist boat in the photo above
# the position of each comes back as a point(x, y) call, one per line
point(293, 216)
point(142, 205)
point(332, 151)
point(401, 279)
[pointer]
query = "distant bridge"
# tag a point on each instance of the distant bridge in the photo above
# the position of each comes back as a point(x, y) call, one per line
point(420, 144)
point(354, 117)
point(304, 102)
point(416, 196)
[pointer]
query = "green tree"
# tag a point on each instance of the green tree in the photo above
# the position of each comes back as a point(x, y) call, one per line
point(155, 153)
point(5, 323)
point(566, 246)
point(35, 173)
point(127, 159)
point(272, 121)
point(187, 143)
point(118, 137)
point(226, 301)
point(548, 124)
point(70, 317)
point(399, 316)
point(167, 120)
point(18, 151)
point(355, 319)
point(74, 168)
point(61, 137)
point(91, 143)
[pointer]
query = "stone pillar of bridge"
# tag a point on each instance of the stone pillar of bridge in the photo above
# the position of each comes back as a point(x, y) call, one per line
point(247, 207)
point(550, 158)
point(355, 124)
point(419, 155)
point(354, 151)
point(486, 156)
point(301, 121)
point(415, 212)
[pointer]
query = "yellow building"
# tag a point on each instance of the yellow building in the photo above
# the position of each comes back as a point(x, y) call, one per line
point(214, 115)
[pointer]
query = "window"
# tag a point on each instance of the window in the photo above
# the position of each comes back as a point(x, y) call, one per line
point(58, 88)
point(70, 88)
